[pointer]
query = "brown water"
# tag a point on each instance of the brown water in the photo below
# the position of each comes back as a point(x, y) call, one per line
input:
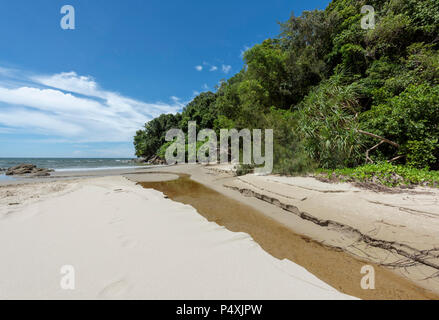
point(335, 267)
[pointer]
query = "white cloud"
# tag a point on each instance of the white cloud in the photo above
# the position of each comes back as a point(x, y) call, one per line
point(213, 68)
point(38, 122)
point(199, 68)
point(6, 71)
point(226, 68)
point(70, 81)
point(176, 100)
point(75, 108)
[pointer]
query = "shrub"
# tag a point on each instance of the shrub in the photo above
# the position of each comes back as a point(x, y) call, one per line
point(420, 154)
point(386, 174)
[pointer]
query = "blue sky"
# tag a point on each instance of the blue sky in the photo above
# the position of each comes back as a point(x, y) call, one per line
point(84, 92)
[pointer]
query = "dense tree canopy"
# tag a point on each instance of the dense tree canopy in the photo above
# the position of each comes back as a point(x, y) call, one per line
point(332, 90)
point(150, 139)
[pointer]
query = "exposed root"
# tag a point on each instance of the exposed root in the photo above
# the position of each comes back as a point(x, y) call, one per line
point(413, 256)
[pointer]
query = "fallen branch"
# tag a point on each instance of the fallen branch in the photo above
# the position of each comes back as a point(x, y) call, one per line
point(378, 137)
point(396, 158)
point(371, 149)
point(383, 140)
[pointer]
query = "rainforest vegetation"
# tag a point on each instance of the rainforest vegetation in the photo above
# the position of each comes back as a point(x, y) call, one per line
point(337, 96)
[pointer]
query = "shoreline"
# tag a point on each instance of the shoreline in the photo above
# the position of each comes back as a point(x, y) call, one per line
point(78, 174)
point(326, 241)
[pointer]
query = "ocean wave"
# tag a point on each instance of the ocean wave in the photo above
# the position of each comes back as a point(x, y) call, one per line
point(102, 168)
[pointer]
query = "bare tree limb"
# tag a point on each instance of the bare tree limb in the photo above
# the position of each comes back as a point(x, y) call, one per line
point(378, 137)
point(369, 160)
point(396, 158)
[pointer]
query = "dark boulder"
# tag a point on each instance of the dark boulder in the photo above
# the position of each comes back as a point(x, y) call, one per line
point(20, 169)
point(155, 160)
point(28, 169)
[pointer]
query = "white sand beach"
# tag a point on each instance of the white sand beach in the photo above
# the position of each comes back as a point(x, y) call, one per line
point(213, 236)
point(127, 242)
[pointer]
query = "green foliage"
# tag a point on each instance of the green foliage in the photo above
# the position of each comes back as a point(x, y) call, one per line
point(244, 169)
point(391, 35)
point(423, 63)
point(202, 110)
point(411, 116)
point(424, 15)
point(266, 67)
point(161, 152)
point(324, 78)
point(222, 122)
point(328, 123)
point(289, 154)
point(307, 41)
point(149, 140)
point(420, 154)
point(385, 174)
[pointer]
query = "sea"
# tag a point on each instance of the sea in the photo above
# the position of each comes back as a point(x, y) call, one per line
point(70, 164)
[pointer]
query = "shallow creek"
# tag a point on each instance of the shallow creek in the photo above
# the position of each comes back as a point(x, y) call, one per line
point(335, 267)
